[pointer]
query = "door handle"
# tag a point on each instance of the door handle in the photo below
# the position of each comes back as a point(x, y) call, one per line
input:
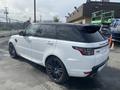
point(16, 40)
point(50, 43)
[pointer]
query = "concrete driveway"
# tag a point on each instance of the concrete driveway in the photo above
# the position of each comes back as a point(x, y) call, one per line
point(21, 74)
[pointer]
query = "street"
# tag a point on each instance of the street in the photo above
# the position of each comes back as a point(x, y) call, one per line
point(8, 33)
point(21, 74)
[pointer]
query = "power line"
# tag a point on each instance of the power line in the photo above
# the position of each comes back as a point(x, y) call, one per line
point(40, 18)
point(6, 12)
point(11, 19)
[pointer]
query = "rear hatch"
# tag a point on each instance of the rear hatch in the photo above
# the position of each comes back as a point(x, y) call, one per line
point(97, 42)
point(93, 43)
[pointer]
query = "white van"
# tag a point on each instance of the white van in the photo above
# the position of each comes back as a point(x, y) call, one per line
point(66, 50)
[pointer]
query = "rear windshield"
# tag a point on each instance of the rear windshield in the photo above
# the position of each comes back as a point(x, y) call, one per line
point(88, 34)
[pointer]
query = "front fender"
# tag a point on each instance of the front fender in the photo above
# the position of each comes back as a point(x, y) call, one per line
point(12, 40)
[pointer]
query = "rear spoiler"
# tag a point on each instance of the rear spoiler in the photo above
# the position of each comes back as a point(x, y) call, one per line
point(91, 28)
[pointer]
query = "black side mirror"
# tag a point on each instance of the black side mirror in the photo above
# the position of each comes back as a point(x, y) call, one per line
point(22, 33)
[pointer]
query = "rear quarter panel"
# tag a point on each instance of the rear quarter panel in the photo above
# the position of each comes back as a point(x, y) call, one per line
point(73, 59)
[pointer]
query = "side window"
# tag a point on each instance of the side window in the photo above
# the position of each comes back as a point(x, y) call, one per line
point(48, 31)
point(31, 30)
point(67, 33)
point(38, 32)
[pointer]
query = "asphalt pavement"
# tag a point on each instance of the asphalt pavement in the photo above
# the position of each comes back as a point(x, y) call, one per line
point(21, 74)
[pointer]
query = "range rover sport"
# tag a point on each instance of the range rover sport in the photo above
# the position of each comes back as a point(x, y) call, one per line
point(66, 50)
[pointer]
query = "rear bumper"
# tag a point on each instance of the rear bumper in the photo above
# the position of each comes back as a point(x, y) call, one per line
point(97, 68)
point(90, 72)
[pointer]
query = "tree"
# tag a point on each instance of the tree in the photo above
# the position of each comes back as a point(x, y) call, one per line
point(56, 19)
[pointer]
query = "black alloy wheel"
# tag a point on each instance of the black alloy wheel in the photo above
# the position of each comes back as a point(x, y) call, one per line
point(56, 70)
point(12, 51)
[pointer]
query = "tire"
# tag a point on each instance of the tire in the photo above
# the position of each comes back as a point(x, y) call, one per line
point(56, 70)
point(12, 51)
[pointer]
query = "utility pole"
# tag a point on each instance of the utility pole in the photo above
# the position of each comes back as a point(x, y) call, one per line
point(34, 11)
point(9, 20)
point(6, 14)
point(40, 18)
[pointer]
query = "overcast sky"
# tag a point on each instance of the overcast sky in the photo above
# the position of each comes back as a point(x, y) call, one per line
point(23, 9)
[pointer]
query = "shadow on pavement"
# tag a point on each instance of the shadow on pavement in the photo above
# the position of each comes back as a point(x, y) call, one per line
point(108, 79)
point(41, 68)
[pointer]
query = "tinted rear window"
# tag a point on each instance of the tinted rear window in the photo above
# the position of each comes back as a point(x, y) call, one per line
point(48, 31)
point(88, 34)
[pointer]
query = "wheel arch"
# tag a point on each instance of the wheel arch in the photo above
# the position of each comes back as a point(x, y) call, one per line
point(12, 40)
point(47, 58)
point(10, 43)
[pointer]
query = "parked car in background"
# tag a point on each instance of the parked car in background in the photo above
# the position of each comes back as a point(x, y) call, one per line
point(66, 50)
point(106, 32)
point(115, 30)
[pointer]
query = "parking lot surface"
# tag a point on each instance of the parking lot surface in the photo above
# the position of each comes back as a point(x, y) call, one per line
point(21, 74)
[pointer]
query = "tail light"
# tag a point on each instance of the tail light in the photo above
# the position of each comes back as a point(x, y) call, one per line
point(84, 51)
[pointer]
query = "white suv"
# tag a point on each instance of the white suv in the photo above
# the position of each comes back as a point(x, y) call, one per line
point(66, 50)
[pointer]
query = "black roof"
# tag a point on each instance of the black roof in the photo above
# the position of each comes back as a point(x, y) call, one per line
point(54, 23)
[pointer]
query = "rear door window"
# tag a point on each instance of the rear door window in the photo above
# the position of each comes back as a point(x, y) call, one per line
point(79, 34)
point(47, 31)
point(31, 30)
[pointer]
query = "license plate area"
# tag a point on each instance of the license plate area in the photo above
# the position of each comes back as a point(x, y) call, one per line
point(101, 50)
